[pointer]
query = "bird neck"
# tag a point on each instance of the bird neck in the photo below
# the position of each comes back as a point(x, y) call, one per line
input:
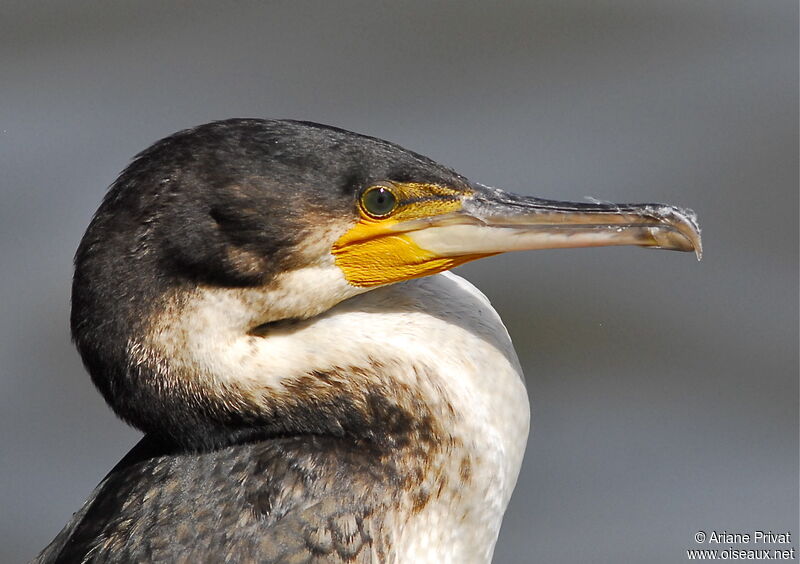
point(423, 370)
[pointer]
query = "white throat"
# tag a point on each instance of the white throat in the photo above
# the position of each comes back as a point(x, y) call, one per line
point(439, 325)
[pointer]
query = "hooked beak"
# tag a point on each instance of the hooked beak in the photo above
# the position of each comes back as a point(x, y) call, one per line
point(444, 228)
point(492, 221)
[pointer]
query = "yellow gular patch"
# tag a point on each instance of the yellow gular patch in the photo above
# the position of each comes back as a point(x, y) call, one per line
point(373, 252)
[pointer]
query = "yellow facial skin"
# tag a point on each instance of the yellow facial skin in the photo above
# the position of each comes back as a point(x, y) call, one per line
point(431, 228)
point(373, 252)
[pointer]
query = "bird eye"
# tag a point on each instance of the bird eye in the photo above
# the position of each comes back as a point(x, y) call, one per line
point(378, 201)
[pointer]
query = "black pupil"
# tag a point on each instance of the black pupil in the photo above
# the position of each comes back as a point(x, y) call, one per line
point(379, 201)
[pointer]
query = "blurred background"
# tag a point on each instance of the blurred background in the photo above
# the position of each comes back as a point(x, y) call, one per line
point(664, 391)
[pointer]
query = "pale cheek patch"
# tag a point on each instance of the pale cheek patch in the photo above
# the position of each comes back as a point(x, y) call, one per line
point(209, 333)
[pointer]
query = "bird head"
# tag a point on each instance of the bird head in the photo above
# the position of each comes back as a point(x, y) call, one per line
point(269, 221)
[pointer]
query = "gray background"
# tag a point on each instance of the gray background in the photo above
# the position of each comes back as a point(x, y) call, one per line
point(665, 391)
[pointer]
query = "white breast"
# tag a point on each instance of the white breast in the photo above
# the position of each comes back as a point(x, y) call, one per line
point(453, 325)
point(439, 324)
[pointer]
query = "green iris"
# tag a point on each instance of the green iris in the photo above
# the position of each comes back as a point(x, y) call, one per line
point(378, 201)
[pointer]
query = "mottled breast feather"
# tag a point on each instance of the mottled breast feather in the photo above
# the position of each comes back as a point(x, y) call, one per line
point(294, 499)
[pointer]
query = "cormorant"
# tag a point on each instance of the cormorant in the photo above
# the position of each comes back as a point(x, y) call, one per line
point(255, 296)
